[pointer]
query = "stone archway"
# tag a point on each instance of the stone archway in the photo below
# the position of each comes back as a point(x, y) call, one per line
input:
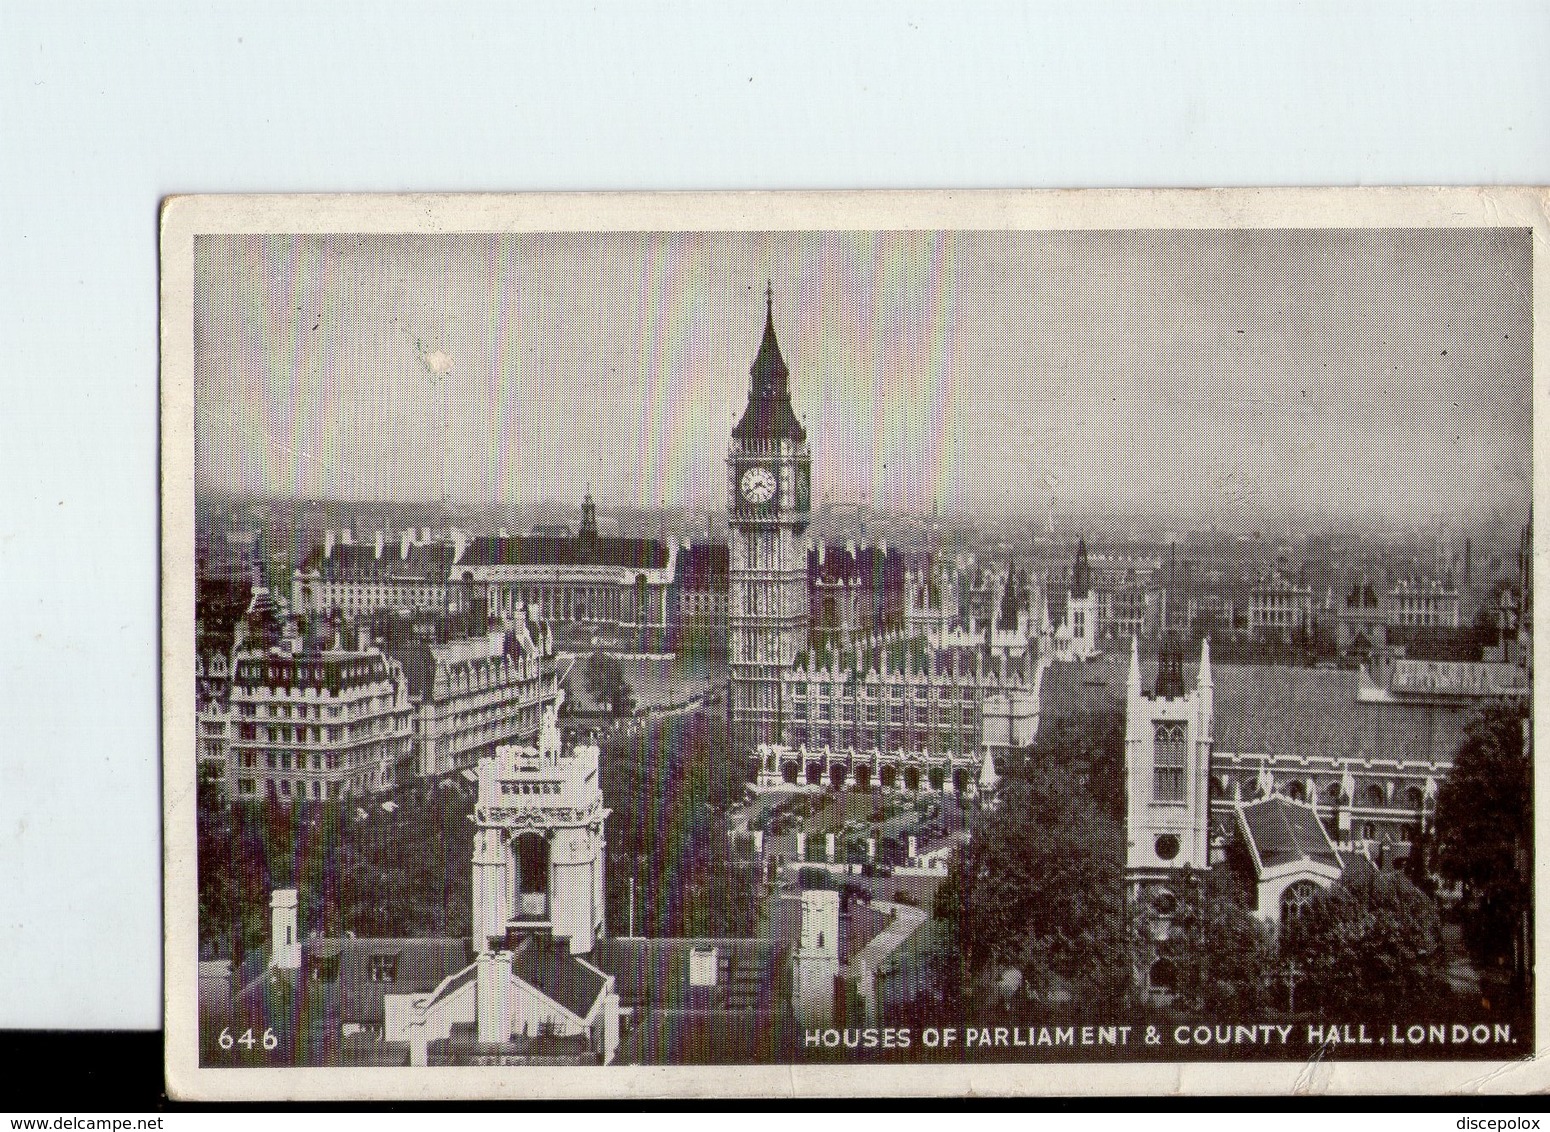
point(790, 771)
point(815, 773)
point(960, 782)
point(889, 776)
point(863, 777)
point(911, 778)
point(837, 775)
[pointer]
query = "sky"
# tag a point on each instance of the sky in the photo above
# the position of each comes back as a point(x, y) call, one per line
point(1347, 372)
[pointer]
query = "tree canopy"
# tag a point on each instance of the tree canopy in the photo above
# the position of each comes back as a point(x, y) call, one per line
point(1039, 889)
point(1370, 942)
point(1485, 827)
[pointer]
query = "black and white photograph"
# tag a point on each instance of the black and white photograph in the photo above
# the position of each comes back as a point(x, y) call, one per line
point(893, 644)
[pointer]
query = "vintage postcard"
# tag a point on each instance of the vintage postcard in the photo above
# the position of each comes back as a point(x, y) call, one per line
point(851, 644)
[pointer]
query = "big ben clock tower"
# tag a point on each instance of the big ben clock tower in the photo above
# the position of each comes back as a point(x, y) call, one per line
point(768, 484)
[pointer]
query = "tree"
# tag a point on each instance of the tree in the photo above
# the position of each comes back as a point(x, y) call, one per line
point(1485, 830)
point(1370, 942)
point(1223, 957)
point(1039, 889)
point(1086, 748)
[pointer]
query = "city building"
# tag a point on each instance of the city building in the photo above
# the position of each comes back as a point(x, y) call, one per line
point(315, 721)
point(1423, 604)
point(212, 677)
point(701, 582)
point(354, 578)
point(474, 693)
point(1280, 609)
point(538, 981)
point(621, 586)
point(583, 580)
point(906, 712)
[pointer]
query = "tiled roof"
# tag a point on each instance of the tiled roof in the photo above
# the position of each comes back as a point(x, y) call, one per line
point(1282, 831)
point(337, 974)
point(1277, 710)
point(1266, 709)
point(551, 968)
point(542, 550)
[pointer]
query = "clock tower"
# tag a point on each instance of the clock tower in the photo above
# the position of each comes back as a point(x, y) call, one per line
point(768, 486)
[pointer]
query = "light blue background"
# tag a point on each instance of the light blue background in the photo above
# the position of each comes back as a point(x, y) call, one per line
point(104, 109)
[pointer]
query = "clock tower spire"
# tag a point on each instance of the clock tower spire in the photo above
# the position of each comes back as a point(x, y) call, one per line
point(768, 498)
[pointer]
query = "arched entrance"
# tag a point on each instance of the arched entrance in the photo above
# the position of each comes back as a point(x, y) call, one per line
point(863, 777)
point(815, 774)
point(911, 778)
point(789, 772)
point(960, 782)
point(837, 775)
point(935, 775)
point(531, 882)
point(889, 776)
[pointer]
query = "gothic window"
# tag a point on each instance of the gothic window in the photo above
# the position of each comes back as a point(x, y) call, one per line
point(1295, 900)
point(1374, 795)
point(1168, 762)
point(1413, 798)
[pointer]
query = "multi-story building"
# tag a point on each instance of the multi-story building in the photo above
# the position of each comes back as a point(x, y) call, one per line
point(318, 722)
point(908, 712)
point(701, 598)
point(212, 671)
point(584, 579)
point(1280, 609)
point(354, 578)
point(1423, 604)
point(603, 582)
point(472, 694)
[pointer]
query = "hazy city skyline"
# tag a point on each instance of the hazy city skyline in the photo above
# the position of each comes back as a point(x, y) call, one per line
point(1369, 372)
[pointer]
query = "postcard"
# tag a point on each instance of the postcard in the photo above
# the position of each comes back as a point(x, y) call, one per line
point(785, 644)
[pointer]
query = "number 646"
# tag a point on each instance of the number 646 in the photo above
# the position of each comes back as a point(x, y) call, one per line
point(247, 1040)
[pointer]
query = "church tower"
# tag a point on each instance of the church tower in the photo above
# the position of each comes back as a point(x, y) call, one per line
point(1168, 738)
point(768, 490)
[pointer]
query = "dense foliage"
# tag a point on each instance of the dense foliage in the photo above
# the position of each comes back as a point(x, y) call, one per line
point(1039, 891)
point(1372, 942)
point(670, 784)
point(1484, 834)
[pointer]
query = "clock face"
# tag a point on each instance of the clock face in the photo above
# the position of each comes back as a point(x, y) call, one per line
point(758, 485)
